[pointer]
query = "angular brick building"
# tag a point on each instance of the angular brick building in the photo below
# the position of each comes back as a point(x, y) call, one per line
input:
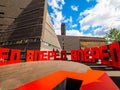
point(25, 24)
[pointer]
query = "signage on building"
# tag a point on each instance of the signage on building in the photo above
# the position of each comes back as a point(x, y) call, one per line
point(109, 55)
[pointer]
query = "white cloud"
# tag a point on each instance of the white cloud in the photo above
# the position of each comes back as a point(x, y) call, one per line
point(62, 1)
point(88, 0)
point(66, 20)
point(74, 25)
point(57, 19)
point(70, 23)
point(73, 33)
point(99, 32)
point(58, 32)
point(56, 15)
point(105, 14)
point(76, 33)
point(70, 19)
point(74, 8)
point(54, 4)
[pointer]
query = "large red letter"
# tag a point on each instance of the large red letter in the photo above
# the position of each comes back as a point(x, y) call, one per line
point(57, 55)
point(80, 55)
point(50, 54)
point(15, 56)
point(104, 55)
point(4, 55)
point(87, 55)
point(74, 54)
point(63, 55)
point(37, 56)
point(115, 54)
point(44, 55)
point(95, 54)
point(30, 55)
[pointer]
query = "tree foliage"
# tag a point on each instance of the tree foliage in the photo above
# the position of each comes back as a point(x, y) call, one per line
point(113, 35)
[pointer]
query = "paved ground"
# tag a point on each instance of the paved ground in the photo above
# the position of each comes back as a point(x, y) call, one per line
point(12, 76)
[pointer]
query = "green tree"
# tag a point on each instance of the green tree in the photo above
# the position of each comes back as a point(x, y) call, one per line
point(113, 35)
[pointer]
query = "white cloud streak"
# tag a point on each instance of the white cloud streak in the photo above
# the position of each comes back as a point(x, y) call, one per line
point(74, 8)
point(54, 4)
point(105, 14)
point(56, 15)
point(88, 0)
point(73, 32)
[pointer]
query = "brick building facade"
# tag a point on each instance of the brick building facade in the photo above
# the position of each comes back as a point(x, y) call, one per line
point(88, 42)
point(80, 42)
point(25, 24)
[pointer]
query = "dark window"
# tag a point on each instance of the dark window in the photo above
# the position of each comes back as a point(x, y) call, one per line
point(2, 13)
point(2, 6)
point(1, 24)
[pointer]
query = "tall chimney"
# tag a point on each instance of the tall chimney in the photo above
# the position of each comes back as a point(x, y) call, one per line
point(63, 30)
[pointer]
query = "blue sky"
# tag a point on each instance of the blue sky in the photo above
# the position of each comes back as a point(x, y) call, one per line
point(85, 17)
